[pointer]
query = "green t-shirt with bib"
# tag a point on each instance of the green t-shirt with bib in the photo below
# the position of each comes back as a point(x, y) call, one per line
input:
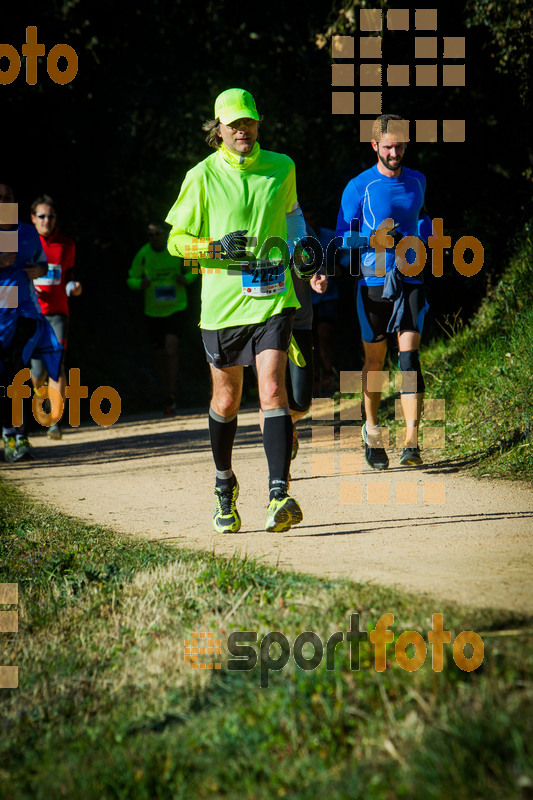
point(165, 295)
point(227, 192)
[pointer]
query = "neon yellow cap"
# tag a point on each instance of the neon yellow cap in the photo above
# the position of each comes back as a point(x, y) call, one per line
point(235, 104)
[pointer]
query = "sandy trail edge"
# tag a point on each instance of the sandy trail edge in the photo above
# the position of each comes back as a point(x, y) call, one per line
point(153, 477)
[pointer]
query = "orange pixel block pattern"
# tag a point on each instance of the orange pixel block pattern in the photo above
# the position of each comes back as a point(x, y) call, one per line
point(425, 75)
point(209, 647)
point(192, 254)
point(9, 623)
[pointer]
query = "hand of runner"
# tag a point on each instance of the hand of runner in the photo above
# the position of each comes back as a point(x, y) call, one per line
point(385, 236)
point(230, 246)
point(319, 283)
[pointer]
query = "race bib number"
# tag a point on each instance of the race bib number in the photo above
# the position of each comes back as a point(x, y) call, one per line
point(52, 277)
point(165, 294)
point(263, 278)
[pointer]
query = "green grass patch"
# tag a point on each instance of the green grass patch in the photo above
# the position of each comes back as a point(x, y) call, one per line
point(107, 707)
point(485, 373)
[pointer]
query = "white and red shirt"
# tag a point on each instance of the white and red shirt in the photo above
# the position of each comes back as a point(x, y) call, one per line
point(60, 253)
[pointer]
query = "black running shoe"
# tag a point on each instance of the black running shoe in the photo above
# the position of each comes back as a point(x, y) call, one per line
point(376, 457)
point(411, 457)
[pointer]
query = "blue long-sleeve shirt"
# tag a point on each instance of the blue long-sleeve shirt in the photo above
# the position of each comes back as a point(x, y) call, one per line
point(368, 200)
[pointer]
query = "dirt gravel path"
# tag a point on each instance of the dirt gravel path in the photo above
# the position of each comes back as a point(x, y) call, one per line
point(463, 540)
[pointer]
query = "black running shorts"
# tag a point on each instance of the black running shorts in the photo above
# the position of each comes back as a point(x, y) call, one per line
point(375, 313)
point(239, 345)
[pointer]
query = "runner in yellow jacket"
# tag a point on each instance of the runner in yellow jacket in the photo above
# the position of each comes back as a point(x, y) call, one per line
point(235, 212)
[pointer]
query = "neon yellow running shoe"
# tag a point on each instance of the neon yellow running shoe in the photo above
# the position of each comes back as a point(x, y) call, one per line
point(283, 512)
point(226, 518)
point(23, 450)
point(9, 447)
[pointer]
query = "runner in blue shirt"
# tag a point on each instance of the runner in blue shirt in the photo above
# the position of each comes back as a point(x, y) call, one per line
point(388, 197)
point(23, 328)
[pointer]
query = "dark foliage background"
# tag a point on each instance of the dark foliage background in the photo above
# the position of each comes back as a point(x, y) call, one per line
point(112, 146)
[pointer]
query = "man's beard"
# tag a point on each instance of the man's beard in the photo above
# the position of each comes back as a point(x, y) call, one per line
point(392, 167)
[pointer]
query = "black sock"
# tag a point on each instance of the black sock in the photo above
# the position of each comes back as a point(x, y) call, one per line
point(277, 441)
point(222, 434)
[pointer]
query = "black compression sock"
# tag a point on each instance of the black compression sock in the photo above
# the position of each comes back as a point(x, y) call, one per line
point(222, 434)
point(277, 441)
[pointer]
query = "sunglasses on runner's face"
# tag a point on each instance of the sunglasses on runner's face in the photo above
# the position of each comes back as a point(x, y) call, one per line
point(45, 216)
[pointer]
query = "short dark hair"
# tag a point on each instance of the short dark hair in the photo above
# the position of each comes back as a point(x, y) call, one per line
point(44, 199)
point(381, 124)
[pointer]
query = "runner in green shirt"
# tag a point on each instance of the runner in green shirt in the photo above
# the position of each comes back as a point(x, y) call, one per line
point(164, 279)
point(235, 212)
